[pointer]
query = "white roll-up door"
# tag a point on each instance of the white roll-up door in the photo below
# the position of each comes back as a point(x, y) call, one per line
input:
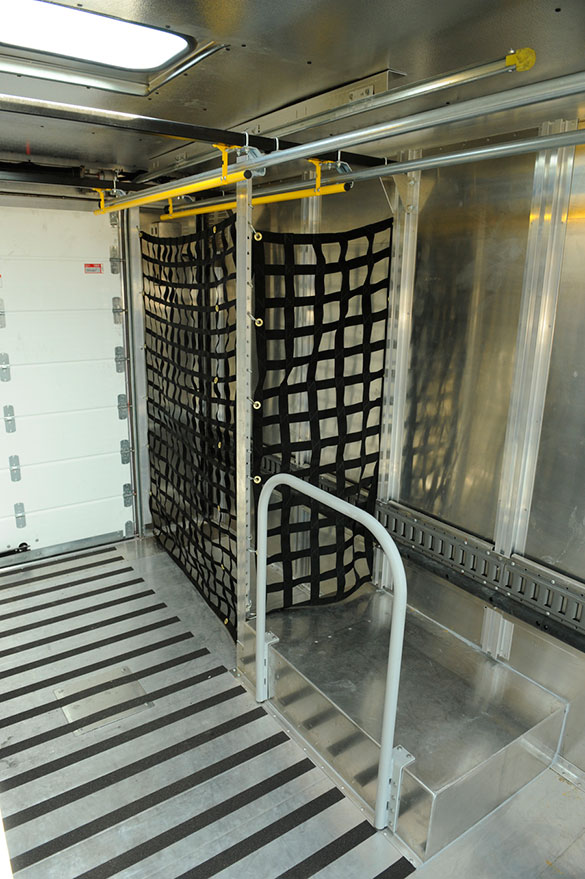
point(65, 471)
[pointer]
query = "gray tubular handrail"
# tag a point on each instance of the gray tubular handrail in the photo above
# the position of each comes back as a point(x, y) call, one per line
point(396, 629)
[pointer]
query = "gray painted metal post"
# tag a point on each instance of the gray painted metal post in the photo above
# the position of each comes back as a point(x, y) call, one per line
point(378, 531)
point(243, 395)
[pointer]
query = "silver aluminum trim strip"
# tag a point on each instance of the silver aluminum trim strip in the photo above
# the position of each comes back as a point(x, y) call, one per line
point(243, 407)
point(550, 203)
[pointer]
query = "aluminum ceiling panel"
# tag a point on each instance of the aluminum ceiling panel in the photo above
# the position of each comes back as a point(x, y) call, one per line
point(273, 42)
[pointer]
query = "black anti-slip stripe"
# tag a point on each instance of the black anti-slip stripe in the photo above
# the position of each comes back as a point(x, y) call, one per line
point(81, 597)
point(106, 685)
point(65, 573)
point(130, 810)
point(51, 734)
point(263, 837)
point(72, 633)
point(123, 738)
point(94, 666)
point(330, 853)
point(125, 772)
point(198, 822)
point(61, 560)
point(71, 585)
point(399, 870)
point(94, 608)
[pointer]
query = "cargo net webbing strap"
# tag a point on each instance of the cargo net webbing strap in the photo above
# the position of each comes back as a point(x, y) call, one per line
point(323, 303)
point(189, 303)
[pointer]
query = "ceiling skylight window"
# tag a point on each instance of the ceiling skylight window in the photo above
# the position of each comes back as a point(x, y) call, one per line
point(39, 26)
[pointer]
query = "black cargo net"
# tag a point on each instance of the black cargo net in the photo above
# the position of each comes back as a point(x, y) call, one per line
point(189, 301)
point(323, 302)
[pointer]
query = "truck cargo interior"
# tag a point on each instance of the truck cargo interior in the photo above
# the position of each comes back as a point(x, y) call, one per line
point(292, 439)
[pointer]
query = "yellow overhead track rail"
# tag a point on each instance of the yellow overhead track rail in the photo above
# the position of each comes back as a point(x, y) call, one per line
point(271, 198)
point(174, 191)
point(258, 200)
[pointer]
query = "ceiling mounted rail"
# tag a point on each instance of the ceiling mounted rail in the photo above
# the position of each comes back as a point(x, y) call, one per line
point(461, 157)
point(268, 196)
point(161, 127)
point(523, 96)
point(212, 181)
point(519, 61)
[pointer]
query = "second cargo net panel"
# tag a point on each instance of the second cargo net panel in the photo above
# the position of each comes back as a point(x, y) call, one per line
point(321, 306)
point(189, 302)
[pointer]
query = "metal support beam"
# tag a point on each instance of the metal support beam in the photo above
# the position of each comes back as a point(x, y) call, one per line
point(461, 157)
point(134, 312)
point(243, 406)
point(404, 236)
point(542, 273)
point(162, 127)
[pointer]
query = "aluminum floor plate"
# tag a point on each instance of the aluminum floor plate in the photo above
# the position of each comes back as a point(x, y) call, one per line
point(203, 784)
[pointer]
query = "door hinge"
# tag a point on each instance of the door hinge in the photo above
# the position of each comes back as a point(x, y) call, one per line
point(2, 315)
point(128, 494)
point(125, 451)
point(122, 407)
point(117, 309)
point(115, 260)
point(129, 529)
point(14, 466)
point(4, 368)
point(120, 358)
point(9, 419)
point(20, 515)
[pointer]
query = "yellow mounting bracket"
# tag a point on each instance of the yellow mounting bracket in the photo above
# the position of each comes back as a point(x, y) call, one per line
point(224, 158)
point(317, 163)
point(170, 207)
point(522, 59)
point(102, 195)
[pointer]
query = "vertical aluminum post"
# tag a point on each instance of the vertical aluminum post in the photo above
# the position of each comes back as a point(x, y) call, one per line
point(402, 272)
point(243, 398)
point(544, 258)
point(385, 765)
point(134, 312)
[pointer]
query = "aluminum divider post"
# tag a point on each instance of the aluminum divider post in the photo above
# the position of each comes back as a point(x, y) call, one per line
point(406, 203)
point(243, 404)
point(387, 793)
point(542, 276)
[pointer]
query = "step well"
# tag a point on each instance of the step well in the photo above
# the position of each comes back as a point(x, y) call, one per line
point(479, 731)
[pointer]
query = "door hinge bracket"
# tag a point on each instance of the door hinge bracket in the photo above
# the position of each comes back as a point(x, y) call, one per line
point(117, 309)
point(14, 466)
point(120, 358)
point(115, 260)
point(122, 407)
point(9, 419)
point(4, 368)
point(20, 515)
point(125, 451)
point(128, 494)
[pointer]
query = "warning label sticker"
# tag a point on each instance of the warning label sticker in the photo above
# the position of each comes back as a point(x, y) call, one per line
point(93, 268)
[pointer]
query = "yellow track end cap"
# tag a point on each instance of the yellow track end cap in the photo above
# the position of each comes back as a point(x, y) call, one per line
point(523, 59)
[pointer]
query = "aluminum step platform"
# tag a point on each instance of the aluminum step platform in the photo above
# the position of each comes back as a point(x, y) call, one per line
point(478, 730)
